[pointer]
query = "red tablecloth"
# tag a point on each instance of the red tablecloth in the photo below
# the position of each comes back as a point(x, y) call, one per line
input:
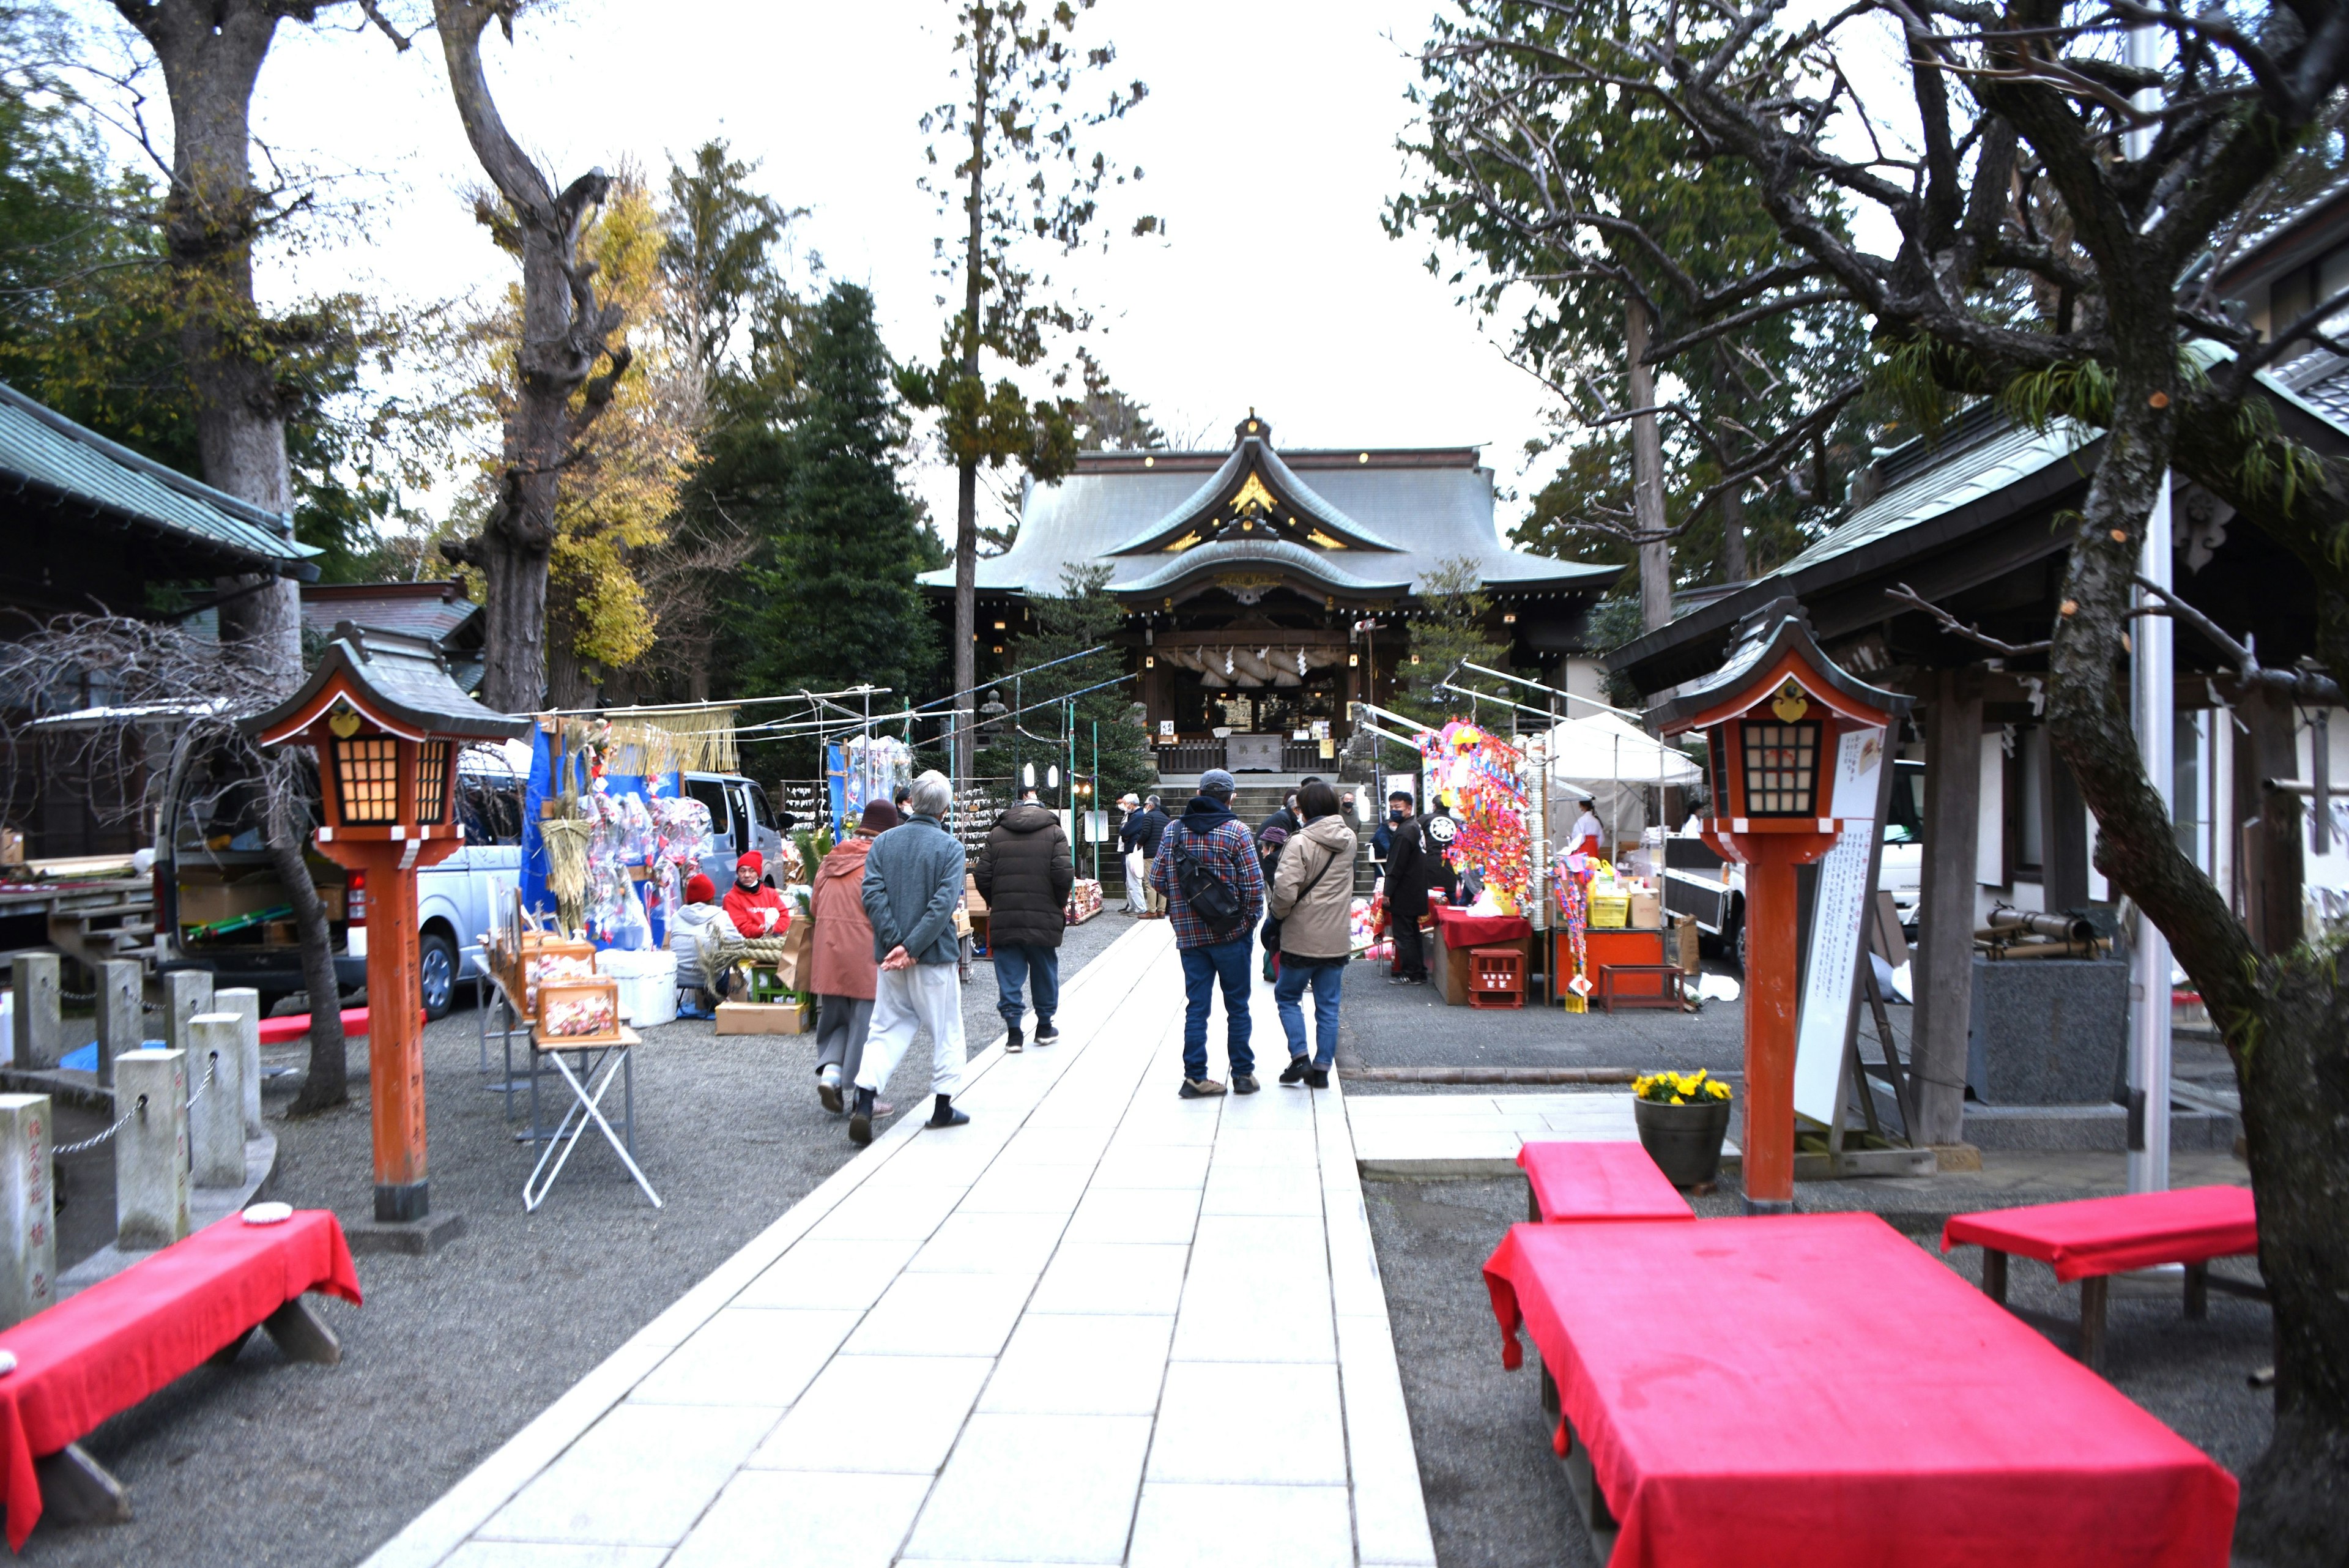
point(1743, 1403)
point(106, 1349)
point(2110, 1235)
point(277, 1030)
point(1599, 1181)
point(1463, 930)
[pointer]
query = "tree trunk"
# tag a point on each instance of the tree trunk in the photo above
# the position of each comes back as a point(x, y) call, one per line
point(1647, 475)
point(2284, 1019)
point(1733, 538)
point(328, 1081)
point(211, 52)
point(966, 629)
point(564, 335)
point(1945, 914)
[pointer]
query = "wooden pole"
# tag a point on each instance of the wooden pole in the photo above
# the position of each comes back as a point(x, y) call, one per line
point(1945, 916)
point(1770, 1016)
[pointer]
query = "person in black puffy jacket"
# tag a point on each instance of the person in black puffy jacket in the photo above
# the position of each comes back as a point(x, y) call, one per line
point(1025, 873)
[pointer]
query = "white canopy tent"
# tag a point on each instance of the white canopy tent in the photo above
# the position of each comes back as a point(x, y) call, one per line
point(1613, 763)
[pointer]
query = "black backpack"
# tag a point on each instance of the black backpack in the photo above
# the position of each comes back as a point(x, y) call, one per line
point(1213, 902)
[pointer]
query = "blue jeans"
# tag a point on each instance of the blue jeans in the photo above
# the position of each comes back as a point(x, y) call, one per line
point(1014, 963)
point(1202, 967)
point(1325, 976)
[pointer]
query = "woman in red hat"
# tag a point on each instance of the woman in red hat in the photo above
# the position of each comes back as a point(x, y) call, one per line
point(688, 931)
point(756, 911)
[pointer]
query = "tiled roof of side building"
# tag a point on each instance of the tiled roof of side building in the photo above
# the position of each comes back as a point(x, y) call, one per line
point(43, 449)
point(431, 610)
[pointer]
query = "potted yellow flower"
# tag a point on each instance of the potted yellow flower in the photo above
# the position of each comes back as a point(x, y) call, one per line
point(1684, 1117)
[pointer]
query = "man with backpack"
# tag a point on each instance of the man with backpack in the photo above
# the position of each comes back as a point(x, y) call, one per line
point(1206, 867)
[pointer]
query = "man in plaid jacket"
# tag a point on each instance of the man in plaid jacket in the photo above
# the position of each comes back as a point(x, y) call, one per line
point(1224, 846)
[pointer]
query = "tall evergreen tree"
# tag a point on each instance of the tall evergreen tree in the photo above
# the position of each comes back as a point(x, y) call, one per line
point(839, 604)
point(1452, 630)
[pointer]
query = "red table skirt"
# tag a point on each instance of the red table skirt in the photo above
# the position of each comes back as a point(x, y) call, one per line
point(101, 1352)
point(1599, 1181)
point(1738, 1407)
point(2112, 1235)
point(277, 1030)
point(1463, 930)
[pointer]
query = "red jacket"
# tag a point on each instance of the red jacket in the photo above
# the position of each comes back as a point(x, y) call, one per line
point(760, 912)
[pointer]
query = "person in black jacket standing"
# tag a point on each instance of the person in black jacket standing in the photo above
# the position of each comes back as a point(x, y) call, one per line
point(1025, 873)
point(1271, 836)
point(1411, 862)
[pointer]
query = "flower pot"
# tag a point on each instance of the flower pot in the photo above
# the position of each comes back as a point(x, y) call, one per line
point(1683, 1140)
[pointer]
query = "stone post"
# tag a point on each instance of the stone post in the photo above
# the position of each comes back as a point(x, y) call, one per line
point(245, 1002)
point(150, 1152)
point(121, 1012)
point(186, 993)
point(41, 1028)
point(216, 1110)
point(28, 1241)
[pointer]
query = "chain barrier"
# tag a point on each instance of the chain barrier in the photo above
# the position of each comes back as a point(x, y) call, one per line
point(86, 1144)
point(77, 997)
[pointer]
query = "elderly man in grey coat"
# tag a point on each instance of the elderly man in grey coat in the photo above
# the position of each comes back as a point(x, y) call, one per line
point(913, 878)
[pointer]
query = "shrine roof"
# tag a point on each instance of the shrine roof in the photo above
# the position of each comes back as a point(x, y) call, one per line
point(1365, 523)
point(402, 679)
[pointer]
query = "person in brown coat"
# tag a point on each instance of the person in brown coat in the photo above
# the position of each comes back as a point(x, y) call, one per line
point(841, 965)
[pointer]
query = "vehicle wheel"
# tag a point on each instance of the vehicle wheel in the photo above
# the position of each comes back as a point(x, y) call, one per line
point(1736, 943)
point(436, 966)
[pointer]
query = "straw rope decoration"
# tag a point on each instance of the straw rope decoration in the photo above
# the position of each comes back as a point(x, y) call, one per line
point(566, 866)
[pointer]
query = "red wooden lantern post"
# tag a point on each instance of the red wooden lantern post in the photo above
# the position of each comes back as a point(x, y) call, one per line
point(1774, 719)
point(386, 721)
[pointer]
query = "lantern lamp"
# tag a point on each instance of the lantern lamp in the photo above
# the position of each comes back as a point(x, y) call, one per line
point(1783, 726)
point(386, 721)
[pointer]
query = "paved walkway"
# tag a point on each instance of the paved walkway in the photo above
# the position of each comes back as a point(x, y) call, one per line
point(1101, 1324)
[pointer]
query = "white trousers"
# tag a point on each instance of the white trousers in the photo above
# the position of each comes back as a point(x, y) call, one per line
point(919, 996)
point(1137, 882)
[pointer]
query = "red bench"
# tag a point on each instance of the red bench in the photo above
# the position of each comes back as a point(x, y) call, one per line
point(2095, 1238)
point(1596, 1181)
point(1721, 1394)
point(97, 1353)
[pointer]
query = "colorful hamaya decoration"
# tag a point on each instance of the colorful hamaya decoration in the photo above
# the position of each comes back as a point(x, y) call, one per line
point(386, 722)
point(1774, 721)
point(1476, 775)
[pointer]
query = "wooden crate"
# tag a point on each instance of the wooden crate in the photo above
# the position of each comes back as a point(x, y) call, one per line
point(762, 1018)
point(552, 996)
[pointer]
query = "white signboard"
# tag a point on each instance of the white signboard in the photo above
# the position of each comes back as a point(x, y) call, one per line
point(1836, 911)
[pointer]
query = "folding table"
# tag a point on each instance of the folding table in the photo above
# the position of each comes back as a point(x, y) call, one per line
point(613, 1058)
point(2093, 1239)
point(1718, 1386)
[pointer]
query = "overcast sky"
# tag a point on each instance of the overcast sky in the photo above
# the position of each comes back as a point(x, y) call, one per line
point(1268, 144)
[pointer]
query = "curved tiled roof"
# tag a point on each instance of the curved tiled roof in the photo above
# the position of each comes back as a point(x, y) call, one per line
point(1317, 565)
point(1410, 510)
point(42, 448)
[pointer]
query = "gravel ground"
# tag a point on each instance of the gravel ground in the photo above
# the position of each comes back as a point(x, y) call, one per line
point(265, 1462)
point(1496, 1498)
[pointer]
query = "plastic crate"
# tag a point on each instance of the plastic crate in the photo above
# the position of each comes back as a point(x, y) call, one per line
point(1497, 977)
point(1610, 911)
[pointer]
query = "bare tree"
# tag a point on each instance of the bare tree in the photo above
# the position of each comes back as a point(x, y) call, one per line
point(174, 701)
point(2054, 196)
point(566, 334)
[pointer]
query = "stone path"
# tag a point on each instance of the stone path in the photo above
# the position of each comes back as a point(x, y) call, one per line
point(1101, 1324)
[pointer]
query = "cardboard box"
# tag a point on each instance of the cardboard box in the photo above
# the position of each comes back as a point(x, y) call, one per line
point(203, 903)
point(12, 847)
point(1647, 912)
point(761, 1018)
point(1683, 944)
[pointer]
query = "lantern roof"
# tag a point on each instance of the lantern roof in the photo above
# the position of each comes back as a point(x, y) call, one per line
point(398, 682)
point(1772, 645)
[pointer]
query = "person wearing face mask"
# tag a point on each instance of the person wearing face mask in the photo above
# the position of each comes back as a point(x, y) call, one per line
point(757, 911)
point(1410, 867)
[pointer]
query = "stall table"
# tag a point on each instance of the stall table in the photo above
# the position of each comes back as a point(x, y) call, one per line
point(1638, 947)
point(1721, 1382)
point(1459, 930)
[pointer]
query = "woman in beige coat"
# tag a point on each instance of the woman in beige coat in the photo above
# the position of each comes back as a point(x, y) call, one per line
point(1313, 900)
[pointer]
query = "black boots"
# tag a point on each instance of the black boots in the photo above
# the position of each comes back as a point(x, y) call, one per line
point(860, 1120)
point(945, 1115)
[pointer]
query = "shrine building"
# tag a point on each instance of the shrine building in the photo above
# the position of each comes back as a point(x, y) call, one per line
point(1266, 589)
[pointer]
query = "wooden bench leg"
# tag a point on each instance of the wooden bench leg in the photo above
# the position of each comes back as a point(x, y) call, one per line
point(229, 1351)
point(1995, 1274)
point(301, 1336)
point(2198, 1290)
point(1533, 1204)
point(77, 1489)
point(2093, 1293)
